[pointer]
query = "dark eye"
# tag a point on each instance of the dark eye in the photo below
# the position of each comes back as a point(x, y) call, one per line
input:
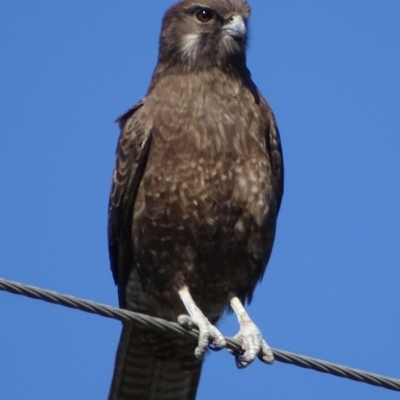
point(204, 15)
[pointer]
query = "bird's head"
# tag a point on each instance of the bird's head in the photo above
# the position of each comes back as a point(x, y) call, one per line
point(199, 34)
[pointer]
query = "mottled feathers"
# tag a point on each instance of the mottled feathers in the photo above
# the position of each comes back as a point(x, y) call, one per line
point(196, 191)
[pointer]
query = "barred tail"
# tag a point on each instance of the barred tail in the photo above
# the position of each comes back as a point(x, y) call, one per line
point(154, 366)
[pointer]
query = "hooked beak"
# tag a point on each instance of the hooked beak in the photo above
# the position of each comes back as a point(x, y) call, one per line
point(236, 27)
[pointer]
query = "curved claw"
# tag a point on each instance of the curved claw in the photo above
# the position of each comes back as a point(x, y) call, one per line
point(250, 338)
point(208, 333)
point(253, 346)
point(212, 347)
point(266, 355)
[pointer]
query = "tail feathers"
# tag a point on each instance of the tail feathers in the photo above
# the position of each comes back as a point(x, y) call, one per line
point(154, 366)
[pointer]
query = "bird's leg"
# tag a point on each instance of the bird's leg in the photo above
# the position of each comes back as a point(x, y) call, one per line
point(250, 337)
point(207, 332)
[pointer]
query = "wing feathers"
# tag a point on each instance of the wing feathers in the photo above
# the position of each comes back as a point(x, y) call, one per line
point(132, 151)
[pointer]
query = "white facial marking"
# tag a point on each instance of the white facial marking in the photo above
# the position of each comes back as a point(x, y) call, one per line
point(189, 44)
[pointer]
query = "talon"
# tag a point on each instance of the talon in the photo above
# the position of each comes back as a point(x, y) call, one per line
point(208, 333)
point(217, 339)
point(266, 355)
point(250, 339)
point(213, 347)
point(186, 322)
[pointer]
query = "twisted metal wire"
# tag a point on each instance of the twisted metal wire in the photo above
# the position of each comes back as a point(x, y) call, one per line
point(174, 328)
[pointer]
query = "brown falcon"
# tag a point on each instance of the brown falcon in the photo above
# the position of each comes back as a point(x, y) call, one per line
point(195, 196)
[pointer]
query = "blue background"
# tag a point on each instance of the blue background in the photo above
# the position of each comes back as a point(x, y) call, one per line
point(331, 71)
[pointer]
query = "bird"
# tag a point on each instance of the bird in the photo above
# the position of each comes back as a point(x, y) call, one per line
point(196, 191)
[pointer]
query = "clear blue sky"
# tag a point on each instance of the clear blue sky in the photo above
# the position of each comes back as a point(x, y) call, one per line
point(331, 71)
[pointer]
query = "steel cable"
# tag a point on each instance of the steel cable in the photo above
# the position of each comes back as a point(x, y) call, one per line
point(174, 328)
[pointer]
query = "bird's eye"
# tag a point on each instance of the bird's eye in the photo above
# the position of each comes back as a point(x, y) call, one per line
point(205, 15)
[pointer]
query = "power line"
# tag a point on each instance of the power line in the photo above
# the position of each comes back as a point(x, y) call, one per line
point(174, 328)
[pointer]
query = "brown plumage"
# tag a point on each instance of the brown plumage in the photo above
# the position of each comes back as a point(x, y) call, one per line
point(195, 196)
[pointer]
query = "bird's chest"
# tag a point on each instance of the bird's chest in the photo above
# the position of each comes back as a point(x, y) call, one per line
point(206, 178)
point(201, 219)
point(203, 203)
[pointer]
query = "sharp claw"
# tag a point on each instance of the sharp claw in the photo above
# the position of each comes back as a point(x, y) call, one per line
point(209, 335)
point(267, 358)
point(266, 355)
point(218, 340)
point(253, 346)
point(213, 347)
point(250, 337)
point(204, 336)
point(241, 364)
point(186, 322)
